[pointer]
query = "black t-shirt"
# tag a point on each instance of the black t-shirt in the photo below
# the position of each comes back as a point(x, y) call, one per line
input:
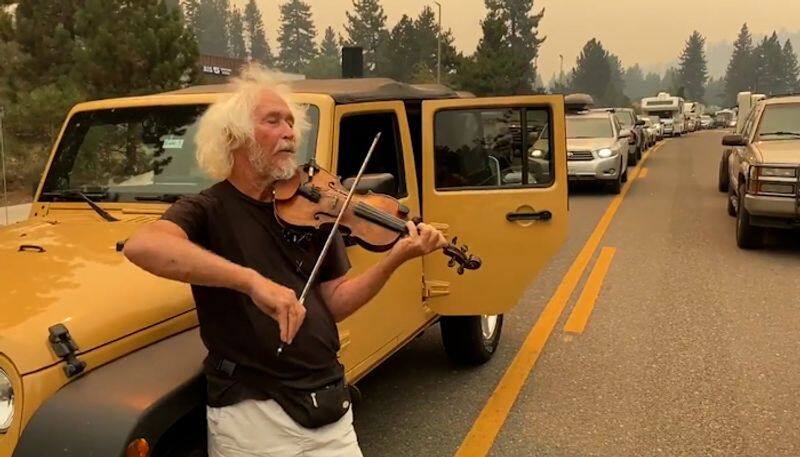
point(245, 231)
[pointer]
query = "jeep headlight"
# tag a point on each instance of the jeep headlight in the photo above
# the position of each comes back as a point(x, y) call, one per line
point(6, 402)
point(778, 172)
point(605, 153)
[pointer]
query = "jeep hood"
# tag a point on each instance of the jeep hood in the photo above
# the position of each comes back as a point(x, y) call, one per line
point(80, 280)
point(589, 144)
point(780, 151)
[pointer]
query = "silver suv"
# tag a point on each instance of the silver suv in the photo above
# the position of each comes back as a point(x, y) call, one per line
point(597, 149)
point(764, 170)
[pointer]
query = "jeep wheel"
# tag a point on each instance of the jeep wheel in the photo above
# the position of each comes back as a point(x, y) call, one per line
point(471, 340)
point(747, 235)
point(723, 173)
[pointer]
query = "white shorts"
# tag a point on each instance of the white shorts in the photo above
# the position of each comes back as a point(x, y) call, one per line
point(262, 428)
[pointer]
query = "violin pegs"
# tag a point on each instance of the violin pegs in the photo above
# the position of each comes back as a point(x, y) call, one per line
point(454, 241)
point(451, 263)
point(461, 270)
point(465, 249)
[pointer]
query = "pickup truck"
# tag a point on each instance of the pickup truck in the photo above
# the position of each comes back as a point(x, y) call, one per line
point(98, 357)
point(763, 170)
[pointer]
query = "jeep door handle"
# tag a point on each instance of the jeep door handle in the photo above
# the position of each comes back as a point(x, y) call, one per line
point(529, 216)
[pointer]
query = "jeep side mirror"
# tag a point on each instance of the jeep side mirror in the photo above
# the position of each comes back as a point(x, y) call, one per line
point(624, 133)
point(379, 183)
point(639, 123)
point(734, 140)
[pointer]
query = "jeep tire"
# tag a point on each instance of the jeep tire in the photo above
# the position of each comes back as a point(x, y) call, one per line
point(471, 340)
point(747, 236)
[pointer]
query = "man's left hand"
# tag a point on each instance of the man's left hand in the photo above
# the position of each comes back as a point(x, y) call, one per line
point(422, 239)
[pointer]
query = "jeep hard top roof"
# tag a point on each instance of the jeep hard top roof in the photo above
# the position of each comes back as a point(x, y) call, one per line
point(349, 90)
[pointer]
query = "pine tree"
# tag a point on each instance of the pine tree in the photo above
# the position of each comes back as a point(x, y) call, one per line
point(522, 36)
point(297, 35)
point(329, 46)
point(492, 70)
point(615, 91)
point(211, 26)
point(402, 48)
point(739, 75)
point(592, 72)
point(693, 67)
point(236, 46)
point(790, 68)
point(425, 42)
point(259, 49)
point(132, 47)
point(768, 65)
point(366, 27)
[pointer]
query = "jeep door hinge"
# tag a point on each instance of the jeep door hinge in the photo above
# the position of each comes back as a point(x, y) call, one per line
point(65, 347)
point(433, 288)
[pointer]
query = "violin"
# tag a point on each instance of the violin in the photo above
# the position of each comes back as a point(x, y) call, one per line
point(314, 198)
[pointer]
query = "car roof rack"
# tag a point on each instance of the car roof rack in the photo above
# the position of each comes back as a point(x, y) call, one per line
point(578, 103)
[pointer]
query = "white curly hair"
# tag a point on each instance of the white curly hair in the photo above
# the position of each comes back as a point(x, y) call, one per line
point(227, 125)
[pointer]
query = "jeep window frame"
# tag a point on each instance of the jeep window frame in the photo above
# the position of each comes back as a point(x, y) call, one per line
point(523, 110)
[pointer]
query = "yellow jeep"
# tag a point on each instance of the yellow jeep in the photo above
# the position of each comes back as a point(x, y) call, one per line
point(100, 358)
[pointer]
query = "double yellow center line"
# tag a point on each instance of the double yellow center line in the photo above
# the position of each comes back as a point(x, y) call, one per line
point(481, 436)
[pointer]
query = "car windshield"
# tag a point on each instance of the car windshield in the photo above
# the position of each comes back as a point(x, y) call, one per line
point(137, 154)
point(780, 122)
point(578, 127)
point(663, 114)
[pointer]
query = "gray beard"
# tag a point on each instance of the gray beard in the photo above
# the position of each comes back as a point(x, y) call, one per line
point(283, 170)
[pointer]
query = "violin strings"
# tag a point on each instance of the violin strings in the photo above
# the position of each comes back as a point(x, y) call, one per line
point(393, 222)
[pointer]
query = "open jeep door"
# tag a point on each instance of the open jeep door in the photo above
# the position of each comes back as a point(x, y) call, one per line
point(494, 175)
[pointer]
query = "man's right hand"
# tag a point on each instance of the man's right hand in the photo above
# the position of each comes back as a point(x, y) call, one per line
point(279, 303)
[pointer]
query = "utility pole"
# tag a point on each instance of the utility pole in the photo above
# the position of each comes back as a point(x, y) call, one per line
point(439, 47)
point(561, 73)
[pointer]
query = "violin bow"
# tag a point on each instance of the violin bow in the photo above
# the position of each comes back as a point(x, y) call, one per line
point(325, 248)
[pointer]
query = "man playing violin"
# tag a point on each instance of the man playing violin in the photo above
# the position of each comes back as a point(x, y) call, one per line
point(246, 275)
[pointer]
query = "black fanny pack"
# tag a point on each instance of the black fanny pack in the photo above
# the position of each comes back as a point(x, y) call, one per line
point(311, 408)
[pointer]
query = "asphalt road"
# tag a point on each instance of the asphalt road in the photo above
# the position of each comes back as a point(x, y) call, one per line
point(692, 347)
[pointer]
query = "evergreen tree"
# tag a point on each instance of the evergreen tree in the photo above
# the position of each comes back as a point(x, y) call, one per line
point(191, 10)
point(790, 68)
point(425, 42)
point(768, 65)
point(522, 37)
point(45, 33)
point(236, 46)
point(297, 35)
point(652, 84)
point(366, 27)
point(592, 72)
point(401, 48)
point(330, 46)
point(132, 47)
point(259, 49)
point(693, 67)
point(211, 27)
point(715, 91)
point(492, 70)
point(615, 91)
point(739, 75)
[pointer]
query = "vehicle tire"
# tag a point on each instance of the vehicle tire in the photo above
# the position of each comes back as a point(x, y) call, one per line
point(724, 179)
point(625, 176)
point(471, 340)
point(747, 235)
point(632, 158)
point(639, 153)
point(615, 187)
point(731, 207)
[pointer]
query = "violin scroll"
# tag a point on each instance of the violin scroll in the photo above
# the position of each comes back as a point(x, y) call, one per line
point(461, 256)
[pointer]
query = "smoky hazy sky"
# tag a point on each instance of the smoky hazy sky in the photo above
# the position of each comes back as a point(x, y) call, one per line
point(648, 32)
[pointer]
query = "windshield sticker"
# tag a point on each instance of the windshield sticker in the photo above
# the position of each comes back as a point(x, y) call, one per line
point(173, 143)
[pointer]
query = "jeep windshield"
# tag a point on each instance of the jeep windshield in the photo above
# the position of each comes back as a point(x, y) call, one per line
point(143, 154)
point(780, 122)
point(578, 127)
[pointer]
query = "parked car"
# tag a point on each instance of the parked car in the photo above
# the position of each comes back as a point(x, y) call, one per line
point(96, 354)
point(763, 166)
point(706, 122)
point(649, 131)
point(658, 127)
point(628, 121)
point(597, 149)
